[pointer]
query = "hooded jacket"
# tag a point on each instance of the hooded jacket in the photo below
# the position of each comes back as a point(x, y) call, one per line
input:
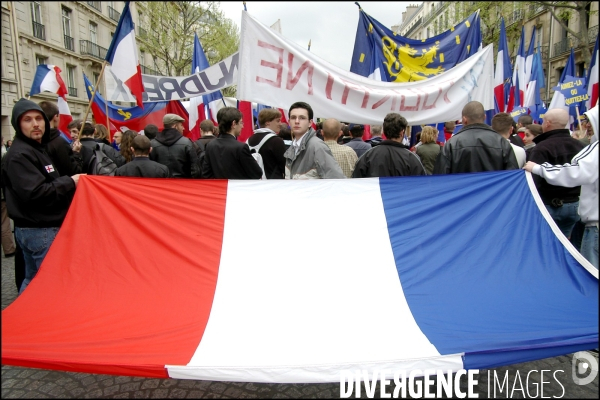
point(177, 152)
point(36, 195)
point(64, 159)
point(390, 158)
point(582, 170)
point(475, 148)
point(313, 161)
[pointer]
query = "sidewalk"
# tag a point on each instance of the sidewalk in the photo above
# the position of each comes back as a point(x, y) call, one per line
point(20, 382)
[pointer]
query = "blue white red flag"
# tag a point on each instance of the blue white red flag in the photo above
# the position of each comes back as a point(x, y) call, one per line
point(123, 56)
point(529, 61)
point(518, 71)
point(558, 99)
point(47, 79)
point(536, 82)
point(592, 79)
point(134, 118)
point(503, 71)
point(206, 106)
point(492, 299)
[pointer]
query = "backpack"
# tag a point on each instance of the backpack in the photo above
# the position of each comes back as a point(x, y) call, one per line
point(100, 163)
point(255, 152)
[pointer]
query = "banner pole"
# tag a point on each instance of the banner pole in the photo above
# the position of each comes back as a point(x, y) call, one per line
point(93, 95)
point(106, 111)
point(578, 119)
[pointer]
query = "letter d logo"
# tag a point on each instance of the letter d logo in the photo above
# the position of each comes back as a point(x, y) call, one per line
point(582, 364)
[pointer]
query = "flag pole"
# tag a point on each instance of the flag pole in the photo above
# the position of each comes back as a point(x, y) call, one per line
point(106, 110)
point(93, 95)
point(578, 119)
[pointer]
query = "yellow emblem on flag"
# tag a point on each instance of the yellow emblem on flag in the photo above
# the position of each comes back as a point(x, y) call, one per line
point(126, 115)
point(457, 39)
point(370, 28)
point(404, 64)
point(441, 57)
point(362, 57)
point(468, 23)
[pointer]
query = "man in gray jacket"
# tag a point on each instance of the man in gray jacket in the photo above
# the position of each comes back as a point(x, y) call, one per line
point(308, 157)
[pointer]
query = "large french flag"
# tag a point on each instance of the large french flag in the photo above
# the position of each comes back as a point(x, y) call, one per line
point(206, 106)
point(592, 79)
point(219, 296)
point(536, 82)
point(503, 69)
point(47, 79)
point(516, 96)
point(558, 99)
point(123, 56)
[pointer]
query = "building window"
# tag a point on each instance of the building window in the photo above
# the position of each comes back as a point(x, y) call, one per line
point(71, 80)
point(66, 21)
point(93, 33)
point(40, 60)
point(36, 20)
point(96, 78)
point(142, 59)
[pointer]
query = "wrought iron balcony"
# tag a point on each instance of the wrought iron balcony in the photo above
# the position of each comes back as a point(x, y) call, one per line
point(72, 91)
point(69, 43)
point(148, 71)
point(88, 48)
point(39, 31)
point(113, 14)
point(95, 4)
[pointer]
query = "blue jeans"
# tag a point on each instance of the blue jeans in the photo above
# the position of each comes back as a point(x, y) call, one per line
point(565, 216)
point(589, 245)
point(35, 243)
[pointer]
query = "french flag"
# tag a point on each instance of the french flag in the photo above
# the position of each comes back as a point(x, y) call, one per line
point(592, 79)
point(47, 79)
point(558, 99)
point(206, 106)
point(123, 56)
point(536, 82)
point(518, 73)
point(503, 68)
point(255, 310)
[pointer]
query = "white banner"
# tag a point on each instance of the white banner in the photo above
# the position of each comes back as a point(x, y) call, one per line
point(163, 88)
point(277, 72)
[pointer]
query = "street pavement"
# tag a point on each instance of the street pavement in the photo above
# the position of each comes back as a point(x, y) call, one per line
point(523, 380)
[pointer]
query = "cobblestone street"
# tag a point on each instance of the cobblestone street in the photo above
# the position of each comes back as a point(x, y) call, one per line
point(20, 382)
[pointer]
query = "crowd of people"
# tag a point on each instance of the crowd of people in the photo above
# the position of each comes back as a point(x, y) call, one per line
point(42, 167)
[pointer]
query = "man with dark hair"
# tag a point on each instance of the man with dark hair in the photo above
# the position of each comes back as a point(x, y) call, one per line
point(308, 157)
point(65, 159)
point(357, 131)
point(37, 197)
point(89, 144)
point(225, 157)
point(73, 128)
point(522, 122)
point(556, 147)
point(476, 147)
point(345, 156)
point(272, 148)
point(502, 123)
point(174, 150)
point(391, 157)
point(207, 132)
point(151, 131)
point(141, 165)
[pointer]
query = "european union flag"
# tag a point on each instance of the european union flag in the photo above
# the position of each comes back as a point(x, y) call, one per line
point(380, 54)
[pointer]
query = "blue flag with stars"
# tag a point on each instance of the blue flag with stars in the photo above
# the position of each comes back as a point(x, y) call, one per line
point(381, 55)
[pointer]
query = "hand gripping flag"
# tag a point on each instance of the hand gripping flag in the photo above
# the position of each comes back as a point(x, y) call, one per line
point(502, 75)
point(381, 55)
point(592, 79)
point(123, 56)
point(492, 299)
point(47, 79)
point(134, 118)
point(204, 107)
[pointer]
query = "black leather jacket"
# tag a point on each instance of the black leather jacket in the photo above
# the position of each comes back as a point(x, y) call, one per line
point(177, 152)
point(475, 148)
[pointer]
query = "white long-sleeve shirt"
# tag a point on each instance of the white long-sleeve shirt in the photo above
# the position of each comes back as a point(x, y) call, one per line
point(582, 171)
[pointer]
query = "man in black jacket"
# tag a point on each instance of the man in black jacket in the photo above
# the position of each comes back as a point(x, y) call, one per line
point(88, 145)
point(141, 166)
point(37, 197)
point(225, 157)
point(390, 157)
point(557, 147)
point(174, 150)
point(65, 159)
point(476, 147)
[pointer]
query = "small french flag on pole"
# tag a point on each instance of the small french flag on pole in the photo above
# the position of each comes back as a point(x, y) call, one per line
point(47, 79)
point(123, 56)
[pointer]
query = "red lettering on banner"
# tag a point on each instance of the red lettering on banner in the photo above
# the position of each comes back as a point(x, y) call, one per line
point(404, 107)
point(276, 66)
point(446, 99)
point(329, 86)
point(305, 65)
point(348, 86)
point(380, 102)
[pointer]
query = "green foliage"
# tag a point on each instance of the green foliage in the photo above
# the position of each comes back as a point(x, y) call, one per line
point(170, 37)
